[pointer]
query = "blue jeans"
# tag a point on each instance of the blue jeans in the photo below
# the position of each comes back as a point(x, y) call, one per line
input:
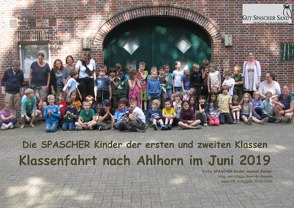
point(51, 127)
point(178, 89)
point(68, 125)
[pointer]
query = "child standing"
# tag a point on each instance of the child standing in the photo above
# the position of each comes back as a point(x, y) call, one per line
point(142, 76)
point(235, 109)
point(86, 118)
point(168, 113)
point(169, 87)
point(200, 113)
point(177, 74)
point(114, 84)
point(185, 82)
point(75, 100)
point(196, 80)
point(7, 117)
point(70, 116)
point(103, 86)
point(154, 116)
point(122, 88)
point(178, 104)
point(52, 115)
point(213, 110)
point(28, 108)
point(239, 81)
point(163, 83)
point(214, 78)
point(225, 100)
point(72, 84)
point(134, 87)
point(153, 87)
point(187, 117)
point(230, 82)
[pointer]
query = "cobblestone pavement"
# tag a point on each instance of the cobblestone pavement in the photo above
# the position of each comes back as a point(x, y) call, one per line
point(251, 184)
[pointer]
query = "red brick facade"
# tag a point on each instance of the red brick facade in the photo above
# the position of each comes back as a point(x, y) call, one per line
point(64, 25)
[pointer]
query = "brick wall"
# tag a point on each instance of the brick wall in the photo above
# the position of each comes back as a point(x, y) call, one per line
point(68, 22)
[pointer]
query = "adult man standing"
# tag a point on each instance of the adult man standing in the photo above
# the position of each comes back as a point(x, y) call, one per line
point(12, 85)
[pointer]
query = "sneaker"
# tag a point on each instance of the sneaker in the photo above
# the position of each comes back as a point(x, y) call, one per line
point(238, 121)
point(78, 128)
point(154, 126)
point(101, 128)
point(249, 122)
point(11, 127)
point(235, 121)
point(290, 120)
point(278, 120)
point(263, 121)
point(145, 128)
point(91, 128)
point(163, 127)
point(169, 127)
point(205, 124)
point(197, 127)
point(284, 120)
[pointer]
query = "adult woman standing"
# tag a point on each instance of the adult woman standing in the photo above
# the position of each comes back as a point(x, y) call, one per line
point(269, 85)
point(69, 60)
point(85, 68)
point(252, 73)
point(56, 78)
point(40, 76)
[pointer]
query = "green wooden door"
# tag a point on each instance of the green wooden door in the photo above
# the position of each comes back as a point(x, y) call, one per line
point(157, 41)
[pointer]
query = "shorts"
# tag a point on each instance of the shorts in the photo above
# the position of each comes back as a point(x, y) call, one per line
point(246, 115)
point(144, 96)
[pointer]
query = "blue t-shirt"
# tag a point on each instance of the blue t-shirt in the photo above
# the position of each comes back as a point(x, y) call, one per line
point(70, 118)
point(120, 115)
point(155, 114)
point(102, 83)
point(40, 74)
point(186, 82)
point(54, 117)
point(286, 102)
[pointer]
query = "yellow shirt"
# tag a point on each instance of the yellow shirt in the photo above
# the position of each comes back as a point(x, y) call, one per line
point(170, 112)
point(224, 102)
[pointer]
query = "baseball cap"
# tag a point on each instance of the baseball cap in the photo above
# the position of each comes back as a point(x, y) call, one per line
point(105, 102)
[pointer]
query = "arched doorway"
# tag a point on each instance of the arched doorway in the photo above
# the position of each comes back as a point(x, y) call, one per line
point(156, 40)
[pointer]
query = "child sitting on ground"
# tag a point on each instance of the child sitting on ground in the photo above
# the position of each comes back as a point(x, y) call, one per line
point(70, 116)
point(268, 111)
point(168, 114)
point(177, 104)
point(257, 105)
point(235, 109)
point(86, 118)
point(51, 114)
point(246, 112)
point(105, 118)
point(154, 116)
point(7, 117)
point(121, 115)
point(187, 117)
point(137, 120)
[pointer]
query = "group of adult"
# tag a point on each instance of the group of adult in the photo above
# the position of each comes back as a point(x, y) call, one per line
point(47, 81)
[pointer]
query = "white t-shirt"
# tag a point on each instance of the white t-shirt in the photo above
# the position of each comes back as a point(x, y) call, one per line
point(214, 81)
point(274, 89)
point(230, 82)
point(82, 69)
point(139, 114)
point(178, 78)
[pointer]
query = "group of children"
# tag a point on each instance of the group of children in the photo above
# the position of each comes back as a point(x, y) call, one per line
point(133, 100)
